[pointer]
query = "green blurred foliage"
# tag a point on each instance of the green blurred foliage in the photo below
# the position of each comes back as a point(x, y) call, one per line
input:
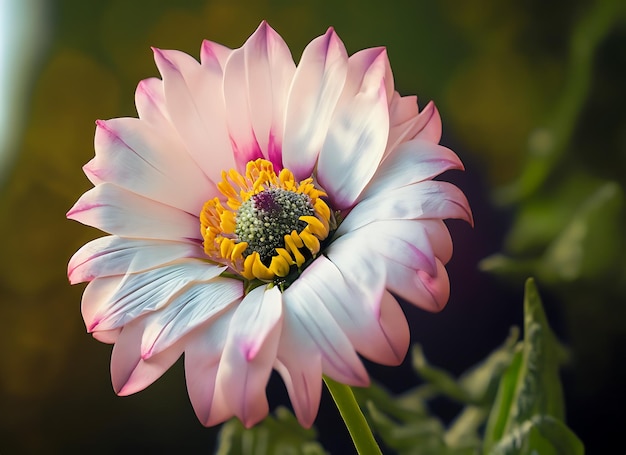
point(530, 90)
point(280, 435)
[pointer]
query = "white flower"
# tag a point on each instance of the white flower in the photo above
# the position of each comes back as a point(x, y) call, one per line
point(262, 216)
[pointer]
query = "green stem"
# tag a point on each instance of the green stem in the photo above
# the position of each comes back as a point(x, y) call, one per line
point(360, 431)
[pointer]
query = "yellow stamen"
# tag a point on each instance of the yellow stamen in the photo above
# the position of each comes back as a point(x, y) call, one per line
point(219, 220)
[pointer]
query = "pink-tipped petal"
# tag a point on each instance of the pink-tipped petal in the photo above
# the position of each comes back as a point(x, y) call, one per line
point(190, 308)
point(428, 292)
point(256, 83)
point(150, 103)
point(422, 200)
point(354, 303)
point(120, 212)
point(317, 85)
point(107, 336)
point(428, 125)
point(304, 308)
point(113, 255)
point(360, 66)
point(133, 155)
point(195, 103)
point(202, 357)
point(356, 139)
point(403, 241)
point(213, 56)
point(249, 354)
point(111, 302)
point(129, 372)
point(299, 363)
point(412, 162)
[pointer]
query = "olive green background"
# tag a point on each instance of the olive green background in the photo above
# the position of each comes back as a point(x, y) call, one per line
point(508, 87)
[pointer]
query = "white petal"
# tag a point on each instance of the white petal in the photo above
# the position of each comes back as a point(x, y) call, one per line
point(195, 104)
point(352, 291)
point(305, 310)
point(202, 356)
point(256, 82)
point(440, 239)
point(428, 125)
point(412, 162)
point(403, 241)
point(403, 111)
point(112, 302)
point(316, 87)
point(150, 103)
point(356, 139)
point(299, 363)
point(213, 56)
point(359, 67)
point(190, 308)
point(429, 292)
point(249, 354)
point(422, 200)
point(113, 255)
point(129, 372)
point(117, 211)
point(135, 156)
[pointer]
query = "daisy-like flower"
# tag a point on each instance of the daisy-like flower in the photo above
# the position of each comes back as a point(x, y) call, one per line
point(264, 216)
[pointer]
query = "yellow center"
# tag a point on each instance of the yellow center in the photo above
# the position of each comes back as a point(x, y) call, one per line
point(268, 199)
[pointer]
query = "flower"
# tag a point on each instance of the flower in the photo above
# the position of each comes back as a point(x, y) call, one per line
point(264, 216)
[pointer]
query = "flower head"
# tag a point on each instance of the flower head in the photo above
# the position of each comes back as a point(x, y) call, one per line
point(263, 216)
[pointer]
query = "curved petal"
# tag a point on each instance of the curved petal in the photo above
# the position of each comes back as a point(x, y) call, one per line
point(150, 104)
point(202, 357)
point(299, 362)
point(118, 211)
point(107, 336)
point(422, 200)
point(359, 67)
point(428, 125)
point(440, 239)
point(113, 255)
point(257, 78)
point(130, 373)
point(249, 354)
point(412, 162)
point(317, 85)
point(305, 309)
point(113, 302)
point(354, 301)
point(190, 308)
point(356, 139)
point(402, 113)
point(133, 155)
point(429, 292)
point(213, 56)
point(195, 104)
point(403, 241)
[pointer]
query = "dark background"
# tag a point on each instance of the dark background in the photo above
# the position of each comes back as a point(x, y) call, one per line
point(515, 82)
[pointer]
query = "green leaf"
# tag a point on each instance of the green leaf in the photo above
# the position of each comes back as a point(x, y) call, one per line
point(478, 385)
point(543, 435)
point(280, 435)
point(530, 398)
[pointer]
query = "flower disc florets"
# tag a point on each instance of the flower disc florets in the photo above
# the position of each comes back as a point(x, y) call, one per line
point(274, 223)
point(264, 220)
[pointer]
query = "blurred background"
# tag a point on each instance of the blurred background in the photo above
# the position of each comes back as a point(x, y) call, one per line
point(532, 98)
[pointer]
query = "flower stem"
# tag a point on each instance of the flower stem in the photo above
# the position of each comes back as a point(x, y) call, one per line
point(360, 431)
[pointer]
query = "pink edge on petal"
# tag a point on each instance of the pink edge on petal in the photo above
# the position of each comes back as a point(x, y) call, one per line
point(429, 122)
point(79, 208)
point(437, 286)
